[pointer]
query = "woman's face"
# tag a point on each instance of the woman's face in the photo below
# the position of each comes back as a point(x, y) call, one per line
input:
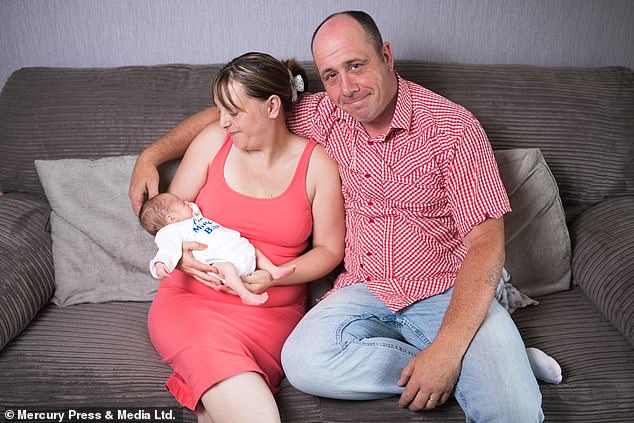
point(248, 121)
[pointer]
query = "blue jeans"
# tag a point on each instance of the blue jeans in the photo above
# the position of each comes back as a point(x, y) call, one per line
point(351, 346)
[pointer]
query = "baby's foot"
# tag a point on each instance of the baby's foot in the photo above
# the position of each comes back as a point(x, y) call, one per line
point(282, 272)
point(255, 299)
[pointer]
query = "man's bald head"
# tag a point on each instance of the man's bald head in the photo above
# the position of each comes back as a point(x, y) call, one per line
point(366, 22)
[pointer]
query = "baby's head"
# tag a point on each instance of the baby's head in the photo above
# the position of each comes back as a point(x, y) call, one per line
point(163, 210)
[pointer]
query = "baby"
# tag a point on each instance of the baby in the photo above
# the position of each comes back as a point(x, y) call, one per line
point(173, 221)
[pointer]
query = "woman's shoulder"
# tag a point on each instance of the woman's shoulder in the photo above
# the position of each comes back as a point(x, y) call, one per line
point(319, 159)
point(319, 155)
point(212, 134)
point(208, 142)
point(321, 166)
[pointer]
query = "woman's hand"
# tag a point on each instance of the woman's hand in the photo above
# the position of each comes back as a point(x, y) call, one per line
point(258, 281)
point(197, 269)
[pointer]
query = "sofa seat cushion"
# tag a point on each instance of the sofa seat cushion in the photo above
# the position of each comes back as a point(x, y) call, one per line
point(597, 362)
point(85, 355)
point(99, 355)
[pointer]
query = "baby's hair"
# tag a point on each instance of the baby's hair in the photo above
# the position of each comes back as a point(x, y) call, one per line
point(153, 214)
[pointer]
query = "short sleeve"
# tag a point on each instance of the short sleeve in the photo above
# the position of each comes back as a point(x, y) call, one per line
point(475, 190)
point(305, 117)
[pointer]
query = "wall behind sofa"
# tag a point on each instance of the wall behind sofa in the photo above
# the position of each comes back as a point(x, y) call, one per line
point(89, 33)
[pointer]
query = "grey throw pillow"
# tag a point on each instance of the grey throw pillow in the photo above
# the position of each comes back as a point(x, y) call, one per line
point(100, 251)
point(538, 252)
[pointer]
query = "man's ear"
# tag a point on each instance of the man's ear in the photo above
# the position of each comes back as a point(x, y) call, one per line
point(274, 104)
point(388, 55)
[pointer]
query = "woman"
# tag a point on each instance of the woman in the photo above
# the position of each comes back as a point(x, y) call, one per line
point(251, 174)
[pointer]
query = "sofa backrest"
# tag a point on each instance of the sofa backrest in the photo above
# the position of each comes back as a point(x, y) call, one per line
point(581, 119)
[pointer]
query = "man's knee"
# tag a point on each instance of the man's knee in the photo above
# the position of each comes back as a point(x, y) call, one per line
point(291, 356)
point(301, 362)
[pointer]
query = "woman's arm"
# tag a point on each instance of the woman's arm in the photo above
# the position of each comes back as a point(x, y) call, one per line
point(188, 180)
point(192, 171)
point(324, 186)
point(145, 177)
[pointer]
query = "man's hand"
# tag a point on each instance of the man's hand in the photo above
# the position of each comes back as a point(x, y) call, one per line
point(144, 180)
point(197, 269)
point(429, 378)
point(258, 281)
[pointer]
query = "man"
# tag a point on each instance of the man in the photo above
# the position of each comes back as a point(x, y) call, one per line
point(413, 313)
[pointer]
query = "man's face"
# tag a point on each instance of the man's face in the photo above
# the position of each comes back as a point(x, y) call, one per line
point(356, 77)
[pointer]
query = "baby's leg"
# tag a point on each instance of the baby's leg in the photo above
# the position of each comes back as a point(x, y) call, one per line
point(235, 283)
point(263, 262)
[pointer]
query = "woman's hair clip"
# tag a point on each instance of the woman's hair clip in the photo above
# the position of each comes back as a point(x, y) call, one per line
point(297, 85)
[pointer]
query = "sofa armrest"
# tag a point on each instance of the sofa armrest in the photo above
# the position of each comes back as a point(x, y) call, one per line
point(603, 260)
point(26, 262)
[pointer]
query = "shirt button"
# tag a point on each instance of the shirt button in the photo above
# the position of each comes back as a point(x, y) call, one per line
point(370, 220)
point(367, 175)
point(370, 142)
point(368, 254)
point(370, 203)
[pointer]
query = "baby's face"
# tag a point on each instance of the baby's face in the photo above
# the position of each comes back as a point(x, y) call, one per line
point(180, 209)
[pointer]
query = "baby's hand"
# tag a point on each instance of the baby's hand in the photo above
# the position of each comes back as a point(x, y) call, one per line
point(161, 270)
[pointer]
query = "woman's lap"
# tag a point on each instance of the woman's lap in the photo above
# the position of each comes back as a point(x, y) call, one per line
point(207, 341)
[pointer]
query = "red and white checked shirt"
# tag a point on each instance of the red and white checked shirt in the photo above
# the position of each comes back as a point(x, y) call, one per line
point(412, 195)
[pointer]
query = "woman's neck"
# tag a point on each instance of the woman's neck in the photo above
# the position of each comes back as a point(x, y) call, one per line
point(274, 144)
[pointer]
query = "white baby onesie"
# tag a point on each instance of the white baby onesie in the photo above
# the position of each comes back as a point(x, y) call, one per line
point(223, 244)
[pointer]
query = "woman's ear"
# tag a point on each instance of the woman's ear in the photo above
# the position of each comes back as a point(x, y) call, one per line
point(274, 104)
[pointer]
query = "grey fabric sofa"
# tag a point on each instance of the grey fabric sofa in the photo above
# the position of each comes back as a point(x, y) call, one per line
point(97, 356)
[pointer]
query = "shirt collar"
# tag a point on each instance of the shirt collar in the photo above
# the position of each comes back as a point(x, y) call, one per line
point(402, 118)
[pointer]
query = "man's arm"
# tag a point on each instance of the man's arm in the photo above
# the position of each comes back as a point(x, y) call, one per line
point(430, 377)
point(145, 177)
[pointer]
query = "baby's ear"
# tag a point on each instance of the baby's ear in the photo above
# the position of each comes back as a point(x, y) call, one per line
point(170, 218)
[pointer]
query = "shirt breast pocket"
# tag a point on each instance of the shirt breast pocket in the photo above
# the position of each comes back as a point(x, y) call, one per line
point(419, 189)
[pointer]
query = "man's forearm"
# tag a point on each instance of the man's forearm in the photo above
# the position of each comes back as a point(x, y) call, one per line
point(431, 376)
point(474, 290)
point(173, 144)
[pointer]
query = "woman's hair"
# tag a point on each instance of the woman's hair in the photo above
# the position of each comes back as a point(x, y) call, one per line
point(261, 75)
point(153, 214)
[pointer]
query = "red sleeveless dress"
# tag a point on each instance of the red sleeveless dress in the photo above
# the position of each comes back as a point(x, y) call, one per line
point(206, 336)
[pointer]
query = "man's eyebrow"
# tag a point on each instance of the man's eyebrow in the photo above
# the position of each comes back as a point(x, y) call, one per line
point(346, 64)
